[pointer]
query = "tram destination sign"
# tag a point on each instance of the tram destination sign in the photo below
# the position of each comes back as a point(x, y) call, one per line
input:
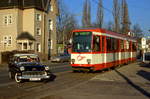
point(82, 33)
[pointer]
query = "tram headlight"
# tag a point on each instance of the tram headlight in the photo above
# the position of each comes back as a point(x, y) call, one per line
point(72, 61)
point(89, 61)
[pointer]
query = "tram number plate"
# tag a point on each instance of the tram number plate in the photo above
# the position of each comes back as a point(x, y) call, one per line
point(35, 79)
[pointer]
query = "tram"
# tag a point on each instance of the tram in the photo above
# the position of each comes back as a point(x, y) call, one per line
point(97, 49)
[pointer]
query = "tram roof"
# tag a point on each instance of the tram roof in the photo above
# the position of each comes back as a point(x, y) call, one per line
point(104, 31)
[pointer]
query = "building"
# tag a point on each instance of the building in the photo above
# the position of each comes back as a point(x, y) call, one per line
point(28, 25)
point(148, 45)
point(145, 44)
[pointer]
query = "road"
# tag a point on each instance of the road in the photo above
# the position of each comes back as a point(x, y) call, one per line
point(128, 82)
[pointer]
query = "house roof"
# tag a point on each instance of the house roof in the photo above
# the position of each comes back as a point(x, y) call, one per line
point(25, 35)
point(24, 4)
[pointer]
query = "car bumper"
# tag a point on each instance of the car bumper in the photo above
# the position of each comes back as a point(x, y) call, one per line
point(34, 76)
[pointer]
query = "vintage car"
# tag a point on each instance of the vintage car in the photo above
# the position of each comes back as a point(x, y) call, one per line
point(28, 67)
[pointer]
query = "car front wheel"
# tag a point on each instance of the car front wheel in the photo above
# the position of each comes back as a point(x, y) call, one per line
point(16, 78)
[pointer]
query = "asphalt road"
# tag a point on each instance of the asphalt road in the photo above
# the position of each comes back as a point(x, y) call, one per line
point(128, 82)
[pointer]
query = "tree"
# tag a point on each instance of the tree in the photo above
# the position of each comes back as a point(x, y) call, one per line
point(100, 14)
point(110, 26)
point(86, 17)
point(70, 24)
point(137, 30)
point(65, 24)
point(116, 15)
point(125, 18)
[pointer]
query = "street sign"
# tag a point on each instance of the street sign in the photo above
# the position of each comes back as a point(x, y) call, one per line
point(143, 42)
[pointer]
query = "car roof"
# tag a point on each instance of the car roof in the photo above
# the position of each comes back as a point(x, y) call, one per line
point(17, 55)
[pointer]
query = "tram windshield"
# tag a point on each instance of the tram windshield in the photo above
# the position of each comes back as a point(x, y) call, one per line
point(82, 41)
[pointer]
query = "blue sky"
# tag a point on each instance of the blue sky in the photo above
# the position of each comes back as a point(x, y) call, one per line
point(138, 11)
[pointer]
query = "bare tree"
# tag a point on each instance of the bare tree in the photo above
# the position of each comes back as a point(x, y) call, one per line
point(86, 17)
point(110, 26)
point(65, 24)
point(70, 24)
point(116, 15)
point(125, 17)
point(137, 30)
point(100, 14)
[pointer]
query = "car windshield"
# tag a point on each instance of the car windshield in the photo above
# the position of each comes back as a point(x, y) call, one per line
point(82, 41)
point(28, 59)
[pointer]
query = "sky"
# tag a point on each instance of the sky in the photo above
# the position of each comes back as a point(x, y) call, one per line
point(139, 11)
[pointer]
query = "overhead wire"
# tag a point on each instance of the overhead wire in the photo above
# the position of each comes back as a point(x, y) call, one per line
point(103, 7)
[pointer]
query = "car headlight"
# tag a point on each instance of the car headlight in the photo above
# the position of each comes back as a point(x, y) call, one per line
point(46, 68)
point(22, 68)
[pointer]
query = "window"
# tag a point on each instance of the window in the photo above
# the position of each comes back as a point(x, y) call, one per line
point(112, 44)
point(50, 24)
point(38, 31)
point(51, 8)
point(10, 19)
point(25, 46)
point(81, 42)
point(121, 44)
point(7, 19)
point(108, 40)
point(7, 40)
point(103, 46)
point(96, 43)
point(38, 47)
point(38, 17)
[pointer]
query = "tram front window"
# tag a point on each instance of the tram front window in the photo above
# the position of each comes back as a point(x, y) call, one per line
point(82, 41)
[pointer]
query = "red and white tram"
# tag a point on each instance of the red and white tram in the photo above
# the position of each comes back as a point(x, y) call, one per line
point(96, 49)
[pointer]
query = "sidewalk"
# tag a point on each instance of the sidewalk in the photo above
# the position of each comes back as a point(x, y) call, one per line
point(128, 82)
point(3, 67)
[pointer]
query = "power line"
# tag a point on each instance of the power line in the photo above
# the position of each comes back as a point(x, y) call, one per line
point(103, 7)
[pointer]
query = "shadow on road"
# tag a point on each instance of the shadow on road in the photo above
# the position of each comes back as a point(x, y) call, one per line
point(144, 65)
point(134, 85)
point(144, 74)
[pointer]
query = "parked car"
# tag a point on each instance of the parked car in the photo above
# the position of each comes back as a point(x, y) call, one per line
point(61, 58)
point(28, 67)
point(147, 57)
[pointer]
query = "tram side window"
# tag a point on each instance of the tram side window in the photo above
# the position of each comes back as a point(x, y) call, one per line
point(108, 40)
point(103, 47)
point(122, 44)
point(115, 43)
point(96, 43)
